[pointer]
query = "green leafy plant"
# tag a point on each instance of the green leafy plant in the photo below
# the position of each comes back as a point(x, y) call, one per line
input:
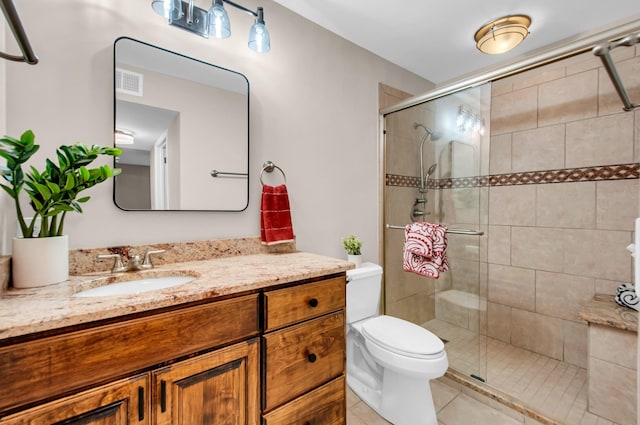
point(352, 245)
point(52, 192)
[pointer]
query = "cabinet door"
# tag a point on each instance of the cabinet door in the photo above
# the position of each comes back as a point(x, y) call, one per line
point(124, 402)
point(221, 388)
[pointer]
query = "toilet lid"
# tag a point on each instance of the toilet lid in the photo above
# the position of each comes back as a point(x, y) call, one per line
point(402, 337)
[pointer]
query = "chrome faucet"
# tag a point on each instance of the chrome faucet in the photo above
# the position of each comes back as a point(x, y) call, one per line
point(135, 263)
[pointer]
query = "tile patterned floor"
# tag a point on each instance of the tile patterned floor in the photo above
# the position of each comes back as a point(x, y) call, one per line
point(555, 389)
point(457, 405)
point(454, 406)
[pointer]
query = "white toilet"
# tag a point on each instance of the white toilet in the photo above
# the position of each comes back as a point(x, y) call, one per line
point(389, 361)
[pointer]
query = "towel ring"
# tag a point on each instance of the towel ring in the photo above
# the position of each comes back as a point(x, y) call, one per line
point(268, 166)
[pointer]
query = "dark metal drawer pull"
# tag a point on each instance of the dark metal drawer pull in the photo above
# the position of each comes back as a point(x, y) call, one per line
point(140, 404)
point(313, 302)
point(312, 358)
point(163, 396)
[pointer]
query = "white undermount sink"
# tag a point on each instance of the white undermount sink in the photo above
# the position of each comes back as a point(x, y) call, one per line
point(135, 286)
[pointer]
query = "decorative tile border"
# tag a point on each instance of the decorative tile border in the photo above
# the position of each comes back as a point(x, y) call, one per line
point(605, 172)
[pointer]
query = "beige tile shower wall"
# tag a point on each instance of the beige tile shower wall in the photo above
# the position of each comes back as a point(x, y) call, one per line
point(551, 247)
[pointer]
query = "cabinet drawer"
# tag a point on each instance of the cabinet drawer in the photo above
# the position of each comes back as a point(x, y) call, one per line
point(302, 357)
point(323, 406)
point(290, 305)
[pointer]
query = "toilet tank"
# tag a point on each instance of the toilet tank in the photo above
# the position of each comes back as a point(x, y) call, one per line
point(363, 292)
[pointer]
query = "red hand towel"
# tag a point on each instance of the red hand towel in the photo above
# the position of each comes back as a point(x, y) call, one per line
point(425, 246)
point(275, 216)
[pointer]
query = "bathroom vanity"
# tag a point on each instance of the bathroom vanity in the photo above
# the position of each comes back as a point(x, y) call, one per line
point(253, 339)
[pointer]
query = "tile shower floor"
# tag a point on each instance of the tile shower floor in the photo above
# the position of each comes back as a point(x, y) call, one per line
point(553, 388)
point(453, 406)
point(560, 388)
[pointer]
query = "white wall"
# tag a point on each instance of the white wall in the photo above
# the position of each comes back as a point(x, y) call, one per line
point(313, 112)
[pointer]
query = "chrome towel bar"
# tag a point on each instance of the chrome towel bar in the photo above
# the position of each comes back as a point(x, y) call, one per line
point(216, 173)
point(451, 230)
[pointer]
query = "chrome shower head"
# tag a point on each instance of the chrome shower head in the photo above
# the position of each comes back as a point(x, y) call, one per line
point(434, 135)
point(432, 169)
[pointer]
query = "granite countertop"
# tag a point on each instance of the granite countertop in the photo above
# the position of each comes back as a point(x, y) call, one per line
point(26, 311)
point(603, 310)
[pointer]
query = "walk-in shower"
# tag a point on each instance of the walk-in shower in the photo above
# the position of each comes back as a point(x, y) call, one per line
point(511, 305)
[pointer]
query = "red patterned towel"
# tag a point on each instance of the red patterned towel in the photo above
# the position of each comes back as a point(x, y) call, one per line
point(275, 216)
point(425, 246)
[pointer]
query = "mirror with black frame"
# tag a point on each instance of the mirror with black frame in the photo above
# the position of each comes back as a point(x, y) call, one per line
point(183, 127)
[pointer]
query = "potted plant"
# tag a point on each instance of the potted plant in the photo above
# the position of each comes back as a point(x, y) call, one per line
point(353, 246)
point(52, 193)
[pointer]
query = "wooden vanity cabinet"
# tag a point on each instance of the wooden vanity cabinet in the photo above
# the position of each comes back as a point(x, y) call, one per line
point(276, 357)
point(220, 387)
point(303, 357)
point(220, 384)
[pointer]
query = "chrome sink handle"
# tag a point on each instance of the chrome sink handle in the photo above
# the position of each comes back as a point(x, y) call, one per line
point(118, 265)
point(147, 257)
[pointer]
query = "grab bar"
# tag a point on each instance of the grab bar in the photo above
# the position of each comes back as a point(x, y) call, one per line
point(603, 50)
point(13, 20)
point(216, 173)
point(451, 230)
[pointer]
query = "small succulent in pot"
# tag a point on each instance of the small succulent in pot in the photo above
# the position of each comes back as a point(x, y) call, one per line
point(52, 192)
point(352, 245)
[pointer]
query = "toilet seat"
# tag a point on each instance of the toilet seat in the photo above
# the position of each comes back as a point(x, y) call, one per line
point(403, 338)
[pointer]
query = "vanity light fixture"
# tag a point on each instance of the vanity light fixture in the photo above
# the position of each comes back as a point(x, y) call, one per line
point(503, 34)
point(214, 21)
point(124, 137)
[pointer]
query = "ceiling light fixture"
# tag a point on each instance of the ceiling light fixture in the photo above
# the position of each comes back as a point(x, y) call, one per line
point(503, 34)
point(124, 137)
point(214, 21)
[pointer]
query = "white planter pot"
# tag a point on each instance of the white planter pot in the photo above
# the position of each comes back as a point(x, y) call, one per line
point(39, 261)
point(356, 259)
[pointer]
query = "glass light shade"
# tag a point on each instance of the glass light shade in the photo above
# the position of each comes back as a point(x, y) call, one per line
point(503, 34)
point(259, 40)
point(170, 9)
point(219, 25)
point(124, 137)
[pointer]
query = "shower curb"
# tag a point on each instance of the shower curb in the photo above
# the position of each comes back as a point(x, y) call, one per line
point(499, 397)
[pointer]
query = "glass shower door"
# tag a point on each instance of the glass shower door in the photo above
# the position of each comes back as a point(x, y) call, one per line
point(453, 306)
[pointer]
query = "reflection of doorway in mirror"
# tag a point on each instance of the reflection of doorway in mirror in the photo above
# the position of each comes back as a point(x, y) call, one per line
point(159, 171)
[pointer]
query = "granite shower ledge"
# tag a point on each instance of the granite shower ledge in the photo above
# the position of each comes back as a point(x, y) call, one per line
point(27, 311)
point(603, 310)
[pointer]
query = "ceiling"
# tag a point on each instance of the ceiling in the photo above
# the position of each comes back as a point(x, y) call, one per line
point(435, 39)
